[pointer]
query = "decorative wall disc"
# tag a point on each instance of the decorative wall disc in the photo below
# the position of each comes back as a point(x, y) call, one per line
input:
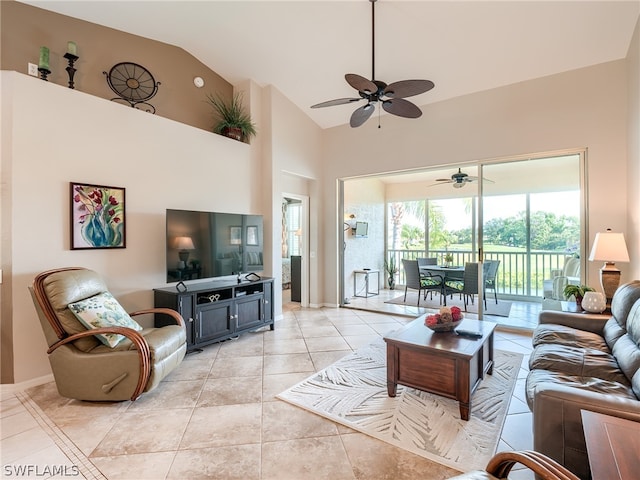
point(134, 84)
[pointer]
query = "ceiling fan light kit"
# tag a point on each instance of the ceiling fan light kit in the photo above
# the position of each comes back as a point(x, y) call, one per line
point(390, 96)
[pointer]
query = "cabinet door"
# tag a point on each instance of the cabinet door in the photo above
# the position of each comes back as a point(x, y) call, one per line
point(268, 302)
point(249, 311)
point(183, 304)
point(214, 320)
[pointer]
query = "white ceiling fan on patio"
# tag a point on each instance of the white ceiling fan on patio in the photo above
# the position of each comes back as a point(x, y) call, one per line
point(459, 179)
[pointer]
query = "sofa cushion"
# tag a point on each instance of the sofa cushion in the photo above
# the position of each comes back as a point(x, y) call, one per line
point(627, 348)
point(550, 333)
point(102, 310)
point(537, 377)
point(623, 301)
point(581, 362)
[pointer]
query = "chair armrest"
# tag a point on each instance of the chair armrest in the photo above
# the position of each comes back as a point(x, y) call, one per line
point(166, 311)
point(557, 421)
point(546, 468)
point(589, 322)
point(144, 355)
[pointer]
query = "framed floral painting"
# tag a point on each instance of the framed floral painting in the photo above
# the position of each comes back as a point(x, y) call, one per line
point(97, 216)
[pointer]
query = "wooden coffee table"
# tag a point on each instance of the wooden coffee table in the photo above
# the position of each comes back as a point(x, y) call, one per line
point(442, 363)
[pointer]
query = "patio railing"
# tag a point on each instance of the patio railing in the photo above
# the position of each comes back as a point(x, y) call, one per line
point(519, 274)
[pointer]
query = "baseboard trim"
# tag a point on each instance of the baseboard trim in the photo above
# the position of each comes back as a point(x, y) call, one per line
point(10, 389)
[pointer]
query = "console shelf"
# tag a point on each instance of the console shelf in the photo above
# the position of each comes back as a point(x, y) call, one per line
point(219, 310)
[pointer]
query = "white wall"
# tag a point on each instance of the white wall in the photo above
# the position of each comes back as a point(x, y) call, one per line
point(580, 108)
point(296, 151)
point(633, 160)
point(56, 136)
point(365, 199)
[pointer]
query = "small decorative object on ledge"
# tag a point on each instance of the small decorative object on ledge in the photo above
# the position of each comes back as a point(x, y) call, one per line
point(43, 63)
point(132, 83)
point(71, 56)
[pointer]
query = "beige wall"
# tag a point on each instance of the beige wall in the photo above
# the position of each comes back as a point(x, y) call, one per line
point(577, 109)
point(633, 157)
point(296, 151)
point(24, 29)
point(161, 163)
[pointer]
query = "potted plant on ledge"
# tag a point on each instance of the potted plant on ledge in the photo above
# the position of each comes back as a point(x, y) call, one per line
point(578, 292)
point(234, 121)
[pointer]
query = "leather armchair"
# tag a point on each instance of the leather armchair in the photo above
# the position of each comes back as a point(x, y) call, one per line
point(84, 368)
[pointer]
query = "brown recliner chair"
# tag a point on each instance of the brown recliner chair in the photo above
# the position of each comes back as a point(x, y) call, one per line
point(83, 367)
point(501, 464)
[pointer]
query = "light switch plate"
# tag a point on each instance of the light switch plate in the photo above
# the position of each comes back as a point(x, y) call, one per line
point(33, 69)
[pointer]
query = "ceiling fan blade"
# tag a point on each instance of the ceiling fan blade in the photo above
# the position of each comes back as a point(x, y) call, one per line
point(337, 101)
point(408, 88)
point(402, 108)
point(440, 182)
point(361, 115)
point(447, 180)
point(360, 83)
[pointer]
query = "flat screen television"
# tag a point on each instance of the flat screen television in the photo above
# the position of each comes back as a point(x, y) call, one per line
point(212, 244)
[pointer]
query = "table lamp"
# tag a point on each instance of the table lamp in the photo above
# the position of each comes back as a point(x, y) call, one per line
point(184, 244)
point(609, 247)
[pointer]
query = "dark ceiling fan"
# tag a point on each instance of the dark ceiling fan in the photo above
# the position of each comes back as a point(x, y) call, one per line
point(391, 96)
point(459, 179)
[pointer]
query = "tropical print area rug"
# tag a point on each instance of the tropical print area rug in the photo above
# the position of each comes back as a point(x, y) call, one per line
point(353, 392)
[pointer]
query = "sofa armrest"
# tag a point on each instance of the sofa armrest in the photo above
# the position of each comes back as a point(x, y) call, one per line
point(557, 421)
point(589, 322)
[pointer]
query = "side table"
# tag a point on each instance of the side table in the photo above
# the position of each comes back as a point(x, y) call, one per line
point(367, 274)
point(612, 444)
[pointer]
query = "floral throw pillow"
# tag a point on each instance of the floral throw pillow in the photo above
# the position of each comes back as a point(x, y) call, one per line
point(103, 310)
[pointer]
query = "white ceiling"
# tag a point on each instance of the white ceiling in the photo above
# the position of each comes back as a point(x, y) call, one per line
point(304, 48)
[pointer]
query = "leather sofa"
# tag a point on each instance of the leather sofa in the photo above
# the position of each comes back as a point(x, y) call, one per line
point(583, 362)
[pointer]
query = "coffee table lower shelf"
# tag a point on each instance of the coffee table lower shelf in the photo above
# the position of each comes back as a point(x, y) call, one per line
point(442, 363)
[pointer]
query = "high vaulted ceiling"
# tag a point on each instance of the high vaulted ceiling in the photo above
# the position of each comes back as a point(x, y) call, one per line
point(304, 48)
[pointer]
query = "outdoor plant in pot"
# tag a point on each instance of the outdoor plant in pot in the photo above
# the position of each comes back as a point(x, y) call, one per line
point(576, 291)
point(391, 268)
point(234, 121)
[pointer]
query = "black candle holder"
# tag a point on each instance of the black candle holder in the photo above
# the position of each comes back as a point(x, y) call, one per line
point(44, 72)
point(70, 68)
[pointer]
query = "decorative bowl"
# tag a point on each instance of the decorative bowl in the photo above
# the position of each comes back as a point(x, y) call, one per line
point(444, 327)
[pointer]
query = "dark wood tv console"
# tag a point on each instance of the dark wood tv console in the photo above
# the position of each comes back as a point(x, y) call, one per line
point(218, 310)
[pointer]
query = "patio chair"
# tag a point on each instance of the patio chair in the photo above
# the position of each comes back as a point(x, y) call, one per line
point(490, 272)
point(96, 350)
point(416, 281)
point(423, 262)
point(553, 287)
point(467, 287)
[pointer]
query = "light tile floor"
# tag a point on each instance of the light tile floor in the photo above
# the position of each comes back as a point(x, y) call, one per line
point(217, 415)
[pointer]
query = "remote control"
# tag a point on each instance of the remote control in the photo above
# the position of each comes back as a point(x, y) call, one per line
point(469, 333)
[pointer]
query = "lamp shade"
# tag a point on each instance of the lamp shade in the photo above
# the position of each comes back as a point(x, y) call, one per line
point(184, 243)
point(609, 247)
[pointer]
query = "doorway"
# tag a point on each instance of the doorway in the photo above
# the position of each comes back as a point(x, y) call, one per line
point(294, 249)
point(526, 215)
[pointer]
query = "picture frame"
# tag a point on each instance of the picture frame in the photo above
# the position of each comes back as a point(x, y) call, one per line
point(98, 219)
point(252, 235)
point(235, 235)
